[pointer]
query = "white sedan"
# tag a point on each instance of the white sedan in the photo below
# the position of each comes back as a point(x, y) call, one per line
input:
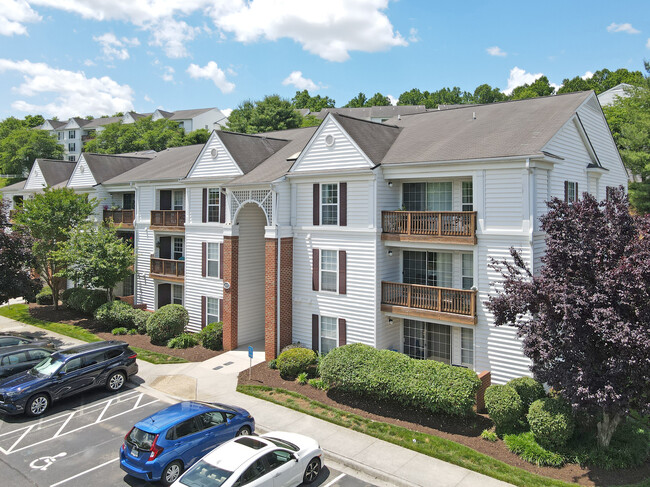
point(276, 459)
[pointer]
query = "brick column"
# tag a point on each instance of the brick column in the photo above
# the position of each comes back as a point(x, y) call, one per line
point(286, 291)
point(486, 379)
point(230, 296)
point(270, 297)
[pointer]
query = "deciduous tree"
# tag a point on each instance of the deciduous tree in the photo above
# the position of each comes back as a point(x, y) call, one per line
point(314, 103)
point(270, 114)
point(585, 318)
point(22, 146)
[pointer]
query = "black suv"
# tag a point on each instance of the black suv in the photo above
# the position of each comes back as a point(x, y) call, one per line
point(67, 372)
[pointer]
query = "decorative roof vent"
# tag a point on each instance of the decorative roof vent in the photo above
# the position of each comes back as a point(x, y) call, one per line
point(329, 140)
point(214, 153)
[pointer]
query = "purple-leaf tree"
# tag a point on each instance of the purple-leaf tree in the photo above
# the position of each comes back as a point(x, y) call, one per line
point(16, 261)
point(585, 317)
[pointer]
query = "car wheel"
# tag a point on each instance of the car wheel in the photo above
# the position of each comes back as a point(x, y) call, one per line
point(244, 431)
point(171, 473)
point(312, 471)
point(116, 381)
point(37, 405)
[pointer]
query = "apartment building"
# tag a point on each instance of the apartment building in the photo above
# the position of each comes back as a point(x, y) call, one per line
point(357, 231)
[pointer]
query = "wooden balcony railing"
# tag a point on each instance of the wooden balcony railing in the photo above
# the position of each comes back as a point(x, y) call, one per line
point(120, 217)
point(450, 226)
point(168, 268)
point(430, 301)
point(168, 219)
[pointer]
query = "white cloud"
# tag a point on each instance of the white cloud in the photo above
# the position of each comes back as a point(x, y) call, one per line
point(627, 28)
point(413, 35)
point(393, 100)
point(89, 62)
point(496, 51)
point(327, 28)
point(71, 93)
point(587, 75)
point(15, 13)
point(647, 44)
point(147, 98)
point(519, 77)
point(299, 81)
point(168, 75)
point(212, 72)
point(226, 111)
point(114, 48)
point(172, 35)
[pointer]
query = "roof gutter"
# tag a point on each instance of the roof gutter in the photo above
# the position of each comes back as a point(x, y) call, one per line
point(467, 161)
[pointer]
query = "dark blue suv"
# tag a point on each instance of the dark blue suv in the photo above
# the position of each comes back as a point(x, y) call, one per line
point(168, 442)
point(65, 373)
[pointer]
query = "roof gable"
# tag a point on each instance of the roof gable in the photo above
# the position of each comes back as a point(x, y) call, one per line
point(47, 172)
point(81, 177)
point(215, 161)
point(35, 180)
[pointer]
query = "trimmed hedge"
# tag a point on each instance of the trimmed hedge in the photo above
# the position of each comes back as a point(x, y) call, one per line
point(296, 361)
point(391, 376)
point(529, 390)
point(84, 300)
point(504, 407)
point(166, 323)
point(211, 337)
point(116, 313)
point(184, 340)
point(551, 422)
point(140, 318)
point(45, 296)
point(119, 331)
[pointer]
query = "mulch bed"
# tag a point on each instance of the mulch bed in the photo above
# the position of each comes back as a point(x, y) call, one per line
point(71, 317)
point(465, 431)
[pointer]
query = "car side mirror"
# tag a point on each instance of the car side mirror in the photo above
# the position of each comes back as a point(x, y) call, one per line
point(294, 457)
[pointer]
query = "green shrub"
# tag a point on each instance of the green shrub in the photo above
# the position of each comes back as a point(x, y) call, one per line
point(119, 331)
point(132, 331)
point(45, 296)
point(302, 378)
point(551, 421)
point(65, 295)
point(140, 318)
point(391, 376)
point(295, 361)
point(504, 407)
point(489, 435)
point(529, 390)
point(115, 313)
point(184, 340)
point(292, 345)
point(318, 384)
point(211, 336)
point(85, 300)
point(273, 364)
point(167, 323)
point(527, 448)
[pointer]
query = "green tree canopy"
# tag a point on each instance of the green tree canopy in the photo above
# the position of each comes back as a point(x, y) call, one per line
point(95, 256)
point(270, 114)
point(486, 94)
point(313, 103)
point(22, 146)
point(357, 102)
point(48, 218)
point(540, 87)
point(602, 80)
point(32, 121)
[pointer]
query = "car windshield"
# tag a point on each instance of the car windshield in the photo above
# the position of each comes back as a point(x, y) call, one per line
point(205, 475)
point(46, 367)
point(140, 439)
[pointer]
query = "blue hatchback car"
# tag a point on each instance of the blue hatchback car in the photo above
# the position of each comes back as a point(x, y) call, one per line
point(168, 442)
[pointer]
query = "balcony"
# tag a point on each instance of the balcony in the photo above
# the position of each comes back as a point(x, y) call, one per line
point(121, 218)
point(454, 227)
point(168, 220)
point(429, 302)
point(167, 269)
point(86, 138)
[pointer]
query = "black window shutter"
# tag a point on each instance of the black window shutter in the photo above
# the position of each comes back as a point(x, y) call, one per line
point(577, 194)
point(342, 332)
point(343, 272)
point(204, 254)
point(222, 208)
point(221, 261)
point(203, 309)
point(566, 191)
point(315, 271)
point(343, 204)
point(314, 333)
point(204, 213)
point(316, 204)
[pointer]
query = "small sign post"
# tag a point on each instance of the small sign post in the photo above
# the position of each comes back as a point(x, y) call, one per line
point(250, 356)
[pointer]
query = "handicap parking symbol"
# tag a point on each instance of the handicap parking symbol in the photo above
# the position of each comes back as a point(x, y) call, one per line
point(44, 462)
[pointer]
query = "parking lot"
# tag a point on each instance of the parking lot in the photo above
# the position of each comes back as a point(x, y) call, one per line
point(76, 443)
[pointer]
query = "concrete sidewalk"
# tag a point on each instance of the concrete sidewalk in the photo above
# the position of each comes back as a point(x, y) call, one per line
point(216, 380)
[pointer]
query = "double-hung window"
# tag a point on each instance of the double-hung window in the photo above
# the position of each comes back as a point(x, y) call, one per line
point(179, 197)
point(178, 248)
point(328, 334)
point(71, 134)
point(177, 294)
point(330, 204)
point(329, 270)
point(71, 147)
point(214, 197)
point(212, 310)
point(467, 347)
point(467, 271)
point(467, 195)
point(213, 260)
point(570, 191)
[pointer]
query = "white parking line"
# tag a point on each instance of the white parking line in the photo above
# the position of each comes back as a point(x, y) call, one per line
point(65, 423)
point(84, 472)
point(101, 415)
point(20, 439)
point(335, 480)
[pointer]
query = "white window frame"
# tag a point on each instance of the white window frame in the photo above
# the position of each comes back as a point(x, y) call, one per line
point(462, 362)
point(320, 333)
point(463, 270)
point(338, 203)
point(571, 188)
point(469, 204)
point(209, 299)
point(182, 244)
point(321, 270)
point(208, 259)
point(59, 135)
point(213, 205)
point(174, 193)
point(72, 134)
point(72, 147)
point(175, 287)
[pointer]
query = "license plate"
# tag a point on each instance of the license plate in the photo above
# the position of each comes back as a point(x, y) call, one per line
point(134, 452)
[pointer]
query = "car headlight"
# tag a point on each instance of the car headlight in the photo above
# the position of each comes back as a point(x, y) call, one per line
point(12, 393)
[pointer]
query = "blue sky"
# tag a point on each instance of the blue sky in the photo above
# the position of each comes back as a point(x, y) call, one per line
point(94, 57)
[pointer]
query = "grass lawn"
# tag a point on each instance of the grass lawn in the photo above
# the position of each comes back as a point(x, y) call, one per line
point(20, 312)
point(426, 444)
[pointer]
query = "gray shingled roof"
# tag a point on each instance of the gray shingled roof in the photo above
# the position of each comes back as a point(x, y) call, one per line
point(100, 122)
point(173, 163)
point(372, 112)
point(138, 116)
point(14, 187)
point(512, 128)
point(55, 172)
point(165, 114)
point(249, 150)
point(107, 166)
point(373, 138)
point(82, 122)
point(56, 124)
point(187, 114)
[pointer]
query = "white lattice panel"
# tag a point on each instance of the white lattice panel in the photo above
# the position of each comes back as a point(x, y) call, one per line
point(262, 197)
